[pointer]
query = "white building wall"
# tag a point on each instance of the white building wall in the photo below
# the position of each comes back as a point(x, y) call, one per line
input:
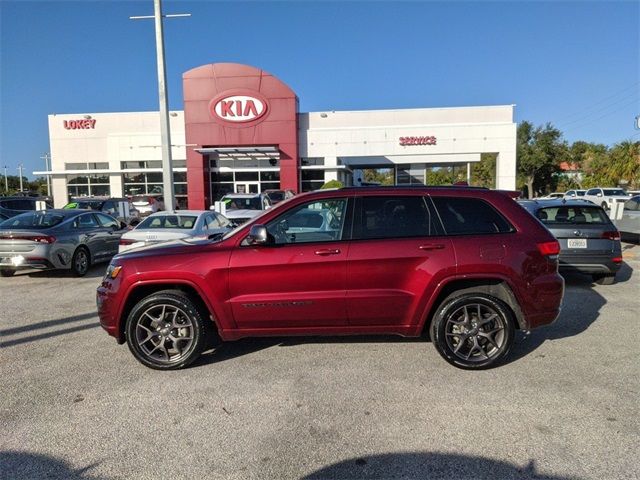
point(116, 137)
point(461, 135)
point(357, 137)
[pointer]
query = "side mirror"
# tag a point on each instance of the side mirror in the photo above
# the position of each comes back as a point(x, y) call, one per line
point(258, 235)
point(122, 226)
point(598, 194)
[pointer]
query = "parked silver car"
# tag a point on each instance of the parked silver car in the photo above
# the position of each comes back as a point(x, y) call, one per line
point(57, 239)
point(164, 226)
point(629, 224)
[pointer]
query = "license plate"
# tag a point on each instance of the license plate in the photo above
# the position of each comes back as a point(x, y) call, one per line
point(14, 261)
point(577, 243)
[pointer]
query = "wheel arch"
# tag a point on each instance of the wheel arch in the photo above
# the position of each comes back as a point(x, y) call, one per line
point(142, 290)
point(496, 287)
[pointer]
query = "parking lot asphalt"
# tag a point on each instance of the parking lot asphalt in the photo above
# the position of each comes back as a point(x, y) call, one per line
point(76, 405)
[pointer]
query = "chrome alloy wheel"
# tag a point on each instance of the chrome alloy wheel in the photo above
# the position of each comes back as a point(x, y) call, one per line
point(164, 333)
point(81, 262)
point(475, 332)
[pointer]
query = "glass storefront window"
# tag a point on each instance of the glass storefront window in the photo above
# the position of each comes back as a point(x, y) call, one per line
point(246, 176)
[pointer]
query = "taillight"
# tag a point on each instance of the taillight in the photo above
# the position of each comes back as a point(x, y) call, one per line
point(549, 248)
point(127, 241)
point(612, 235)
point(616, 259)
point(33, 238)
point(39, 238)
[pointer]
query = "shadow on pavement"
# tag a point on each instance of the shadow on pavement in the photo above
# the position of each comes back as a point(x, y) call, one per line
point(429, 466)
point(580, 308)
point(24, 465)
point(95, 271)
point(44, 325)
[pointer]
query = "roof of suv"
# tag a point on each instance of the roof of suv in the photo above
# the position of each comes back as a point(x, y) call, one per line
point(552, 202)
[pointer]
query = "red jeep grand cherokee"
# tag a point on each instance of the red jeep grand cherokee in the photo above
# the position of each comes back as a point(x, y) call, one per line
point(468, 266)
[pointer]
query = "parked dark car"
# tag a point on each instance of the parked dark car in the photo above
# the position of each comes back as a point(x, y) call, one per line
point(57, 239)
point(589, 241)
point(466, 266)
point(108, 205)
point(11, 206)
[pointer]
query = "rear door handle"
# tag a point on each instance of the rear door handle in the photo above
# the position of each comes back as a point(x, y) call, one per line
point(328, 251)
point(432, 246)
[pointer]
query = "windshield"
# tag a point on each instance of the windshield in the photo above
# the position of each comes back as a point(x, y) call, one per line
point(235, 203)
point(33, 220)
point(168, 221)
point(574, 215)
point(614, 191)
point(276, 196)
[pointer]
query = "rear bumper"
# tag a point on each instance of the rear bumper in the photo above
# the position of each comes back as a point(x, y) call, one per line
point(590, 263)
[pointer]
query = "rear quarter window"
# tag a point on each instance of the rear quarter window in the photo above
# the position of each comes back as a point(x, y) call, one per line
point(470, 216)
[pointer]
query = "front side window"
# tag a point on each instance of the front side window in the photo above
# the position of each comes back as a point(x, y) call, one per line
point(320, 221)
point(470, 216)
point(583, 215)
point(394, 217)
point(85, 221)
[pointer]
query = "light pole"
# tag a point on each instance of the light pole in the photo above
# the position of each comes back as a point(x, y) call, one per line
point(165, 131)
point(6, 181)
point(20, 174)
point(45, 157)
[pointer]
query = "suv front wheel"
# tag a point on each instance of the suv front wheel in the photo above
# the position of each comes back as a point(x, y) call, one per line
point(473, 331)
point(166, 331)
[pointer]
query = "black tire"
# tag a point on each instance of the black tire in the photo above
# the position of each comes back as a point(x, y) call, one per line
point(153, 318)
point(603, 279)
point(80, 262)
point(467, 343)
point(7, 272)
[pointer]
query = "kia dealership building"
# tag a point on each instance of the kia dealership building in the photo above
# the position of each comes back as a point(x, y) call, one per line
point(241, 131)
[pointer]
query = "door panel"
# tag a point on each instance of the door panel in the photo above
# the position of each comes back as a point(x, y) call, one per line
point(288, 286)
point(387, 278)
point(397, 251)
point(299, 279)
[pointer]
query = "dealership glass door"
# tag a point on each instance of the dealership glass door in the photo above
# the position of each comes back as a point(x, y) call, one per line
point(247, 187)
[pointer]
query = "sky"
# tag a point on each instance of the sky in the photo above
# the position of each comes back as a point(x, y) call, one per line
point(574, 64)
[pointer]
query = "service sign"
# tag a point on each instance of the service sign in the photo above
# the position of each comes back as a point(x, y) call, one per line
point(237, 107)
point(428, 140)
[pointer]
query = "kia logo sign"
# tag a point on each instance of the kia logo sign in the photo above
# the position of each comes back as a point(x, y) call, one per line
point(238, 107)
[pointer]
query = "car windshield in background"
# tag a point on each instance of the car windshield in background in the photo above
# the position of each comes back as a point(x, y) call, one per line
point(252, 203)
point(168, 221)
point(276, 196)
point(33, 220)
point(573, 215)
point(614, 191)
point(581, 194)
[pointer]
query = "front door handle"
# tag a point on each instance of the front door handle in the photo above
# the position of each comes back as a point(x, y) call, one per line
point(328, 251)
point(432, 246)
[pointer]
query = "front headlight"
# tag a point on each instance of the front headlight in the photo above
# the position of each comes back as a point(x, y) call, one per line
point(113, 271)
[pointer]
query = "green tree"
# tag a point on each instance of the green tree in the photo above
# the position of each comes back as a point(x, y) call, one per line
point(332, 184)
point(539, 153)
point(483, 173)
point(624, 165)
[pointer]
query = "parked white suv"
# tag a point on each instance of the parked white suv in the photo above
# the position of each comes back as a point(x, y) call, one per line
point(605, 196)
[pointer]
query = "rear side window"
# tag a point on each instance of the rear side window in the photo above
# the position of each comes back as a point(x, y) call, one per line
point(20, 204)
point(470, 216)
point(572, 215)
point(394, 217)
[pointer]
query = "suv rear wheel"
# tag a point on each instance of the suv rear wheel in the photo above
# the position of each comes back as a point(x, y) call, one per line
point(473, 331)
point(166, 331)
